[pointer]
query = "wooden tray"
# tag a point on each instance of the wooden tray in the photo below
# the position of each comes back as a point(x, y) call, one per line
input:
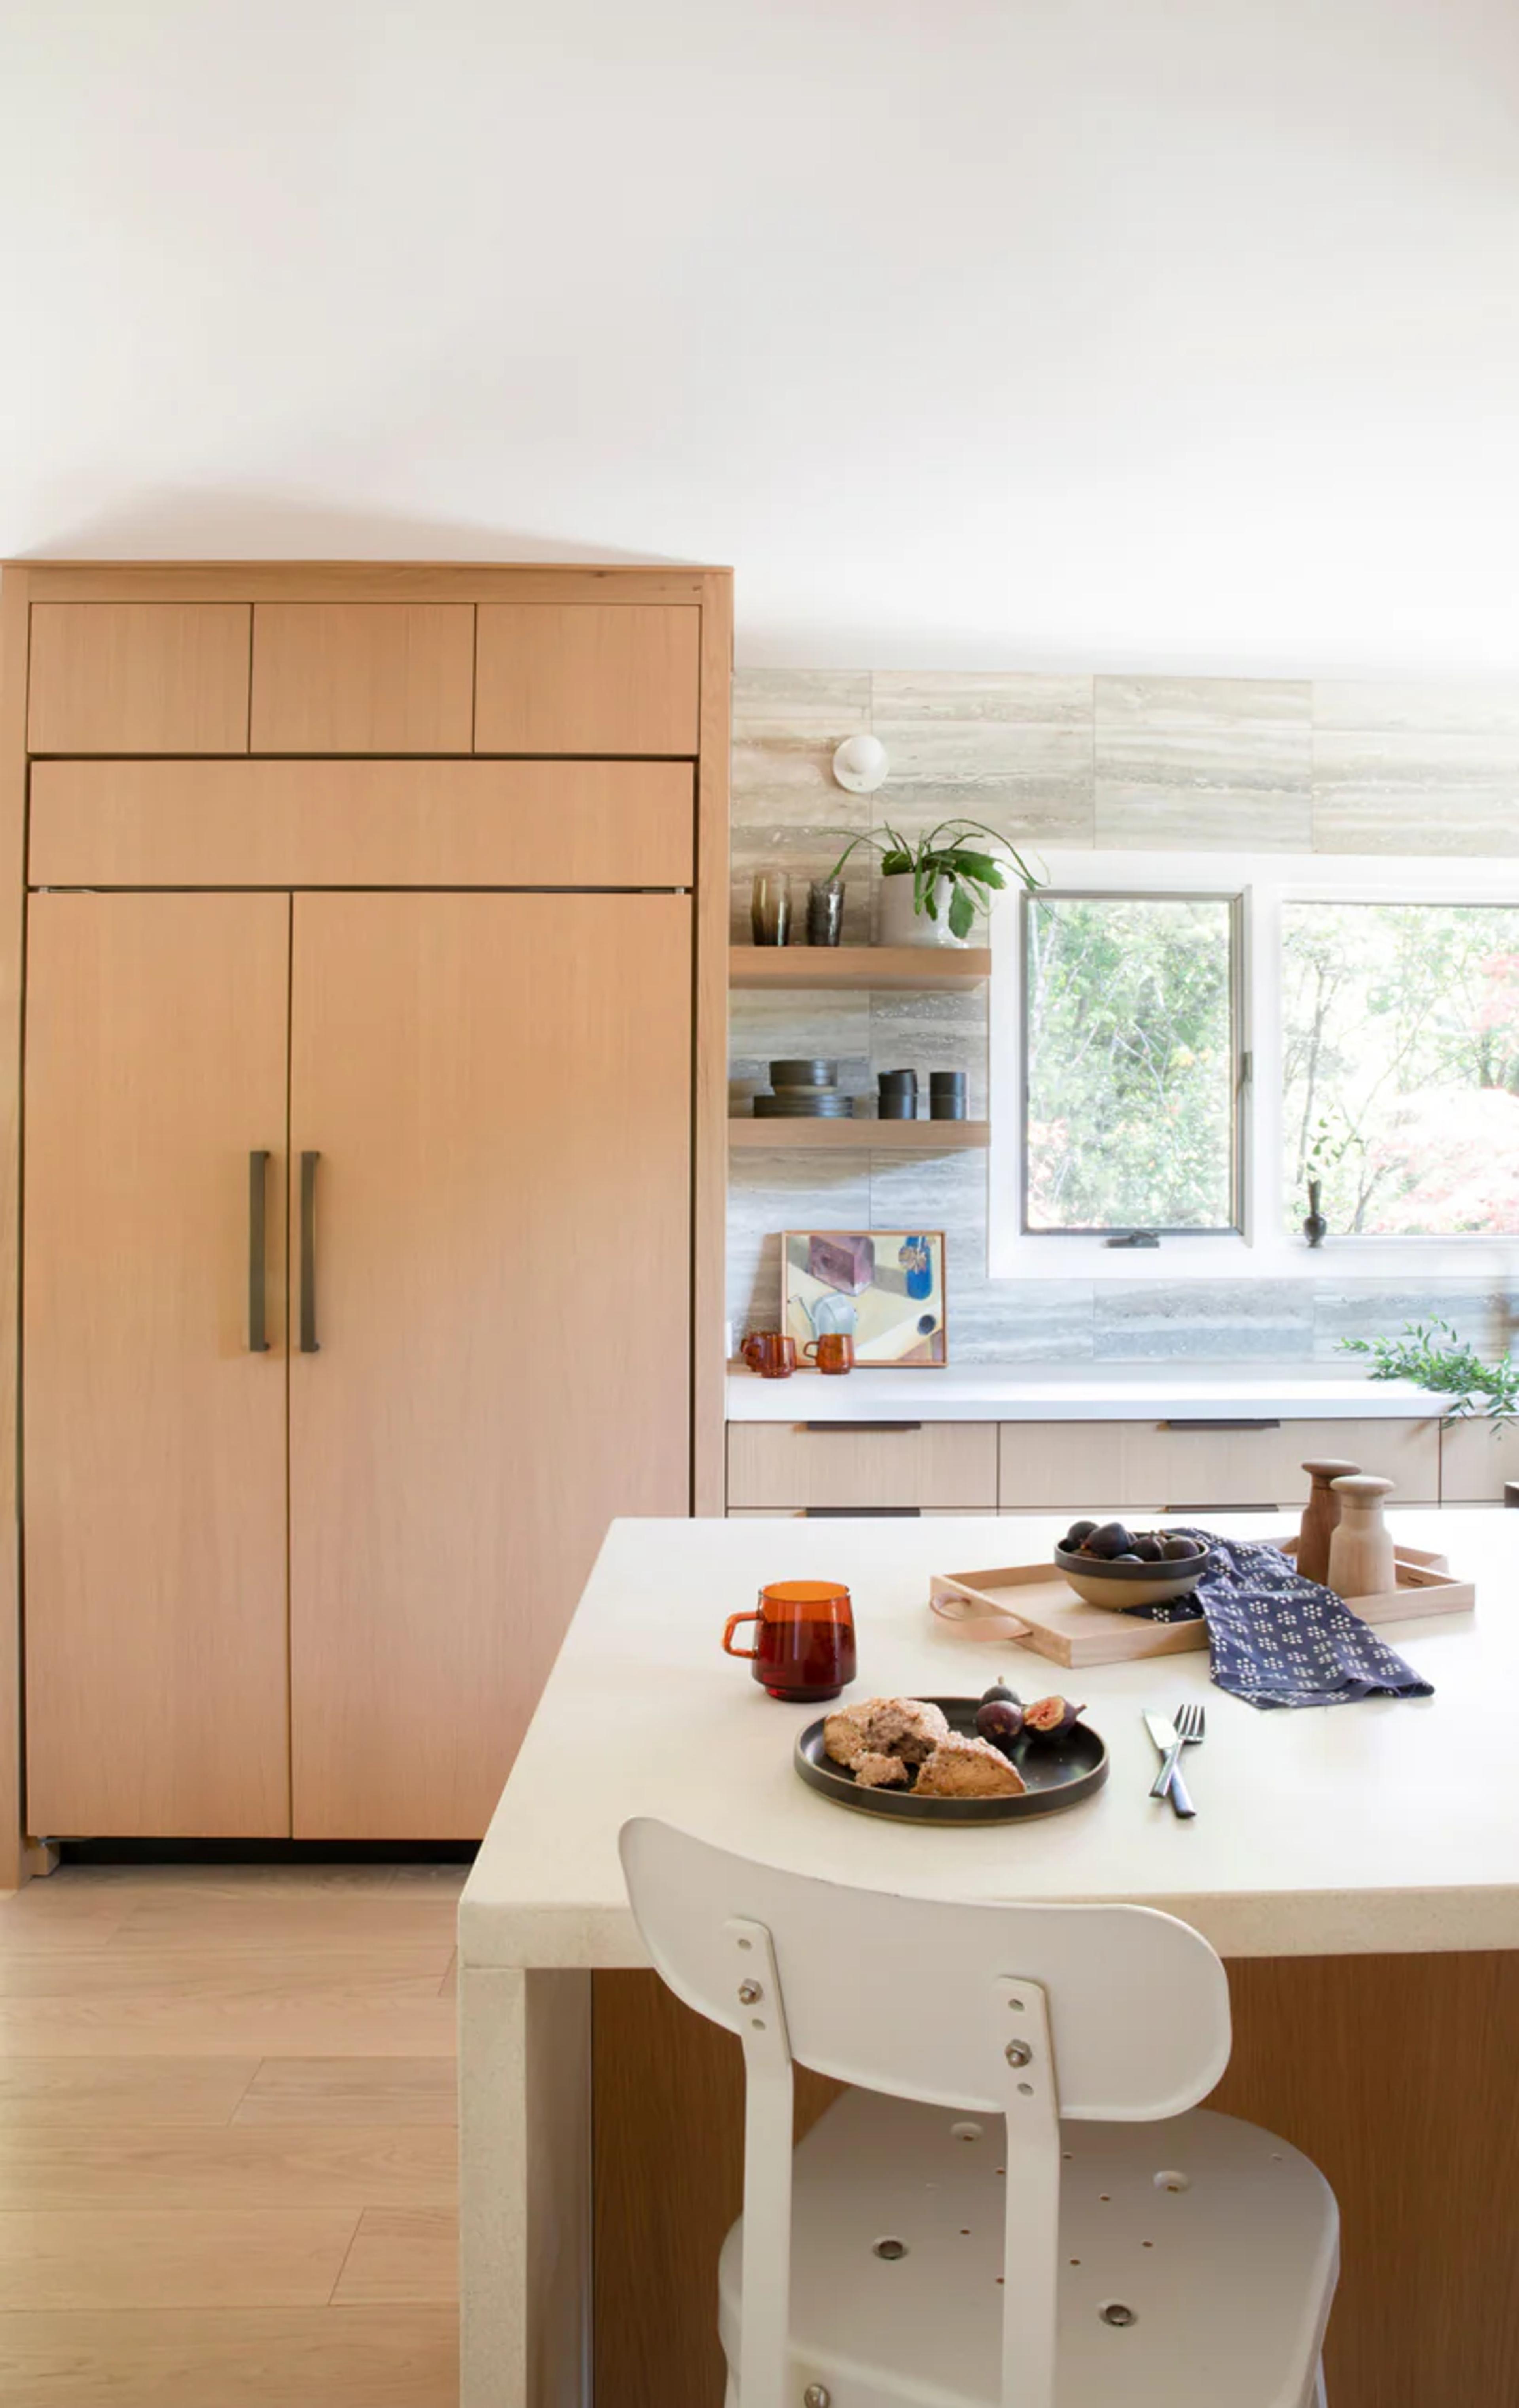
point(1032, 1605)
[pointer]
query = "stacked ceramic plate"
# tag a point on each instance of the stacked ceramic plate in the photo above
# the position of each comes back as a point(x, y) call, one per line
point(804, 1091)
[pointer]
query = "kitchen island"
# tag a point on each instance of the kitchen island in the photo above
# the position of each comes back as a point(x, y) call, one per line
point(1359, 1866)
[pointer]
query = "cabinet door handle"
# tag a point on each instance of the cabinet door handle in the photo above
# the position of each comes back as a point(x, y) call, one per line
point(1226, 1423)
point(851, 1429)
point(258, 1333)
point(309, 1344)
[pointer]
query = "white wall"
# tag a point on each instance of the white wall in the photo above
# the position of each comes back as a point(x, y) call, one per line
point(1145, 333)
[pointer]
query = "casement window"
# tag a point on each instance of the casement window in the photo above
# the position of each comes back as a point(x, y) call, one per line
point(1180, 1042)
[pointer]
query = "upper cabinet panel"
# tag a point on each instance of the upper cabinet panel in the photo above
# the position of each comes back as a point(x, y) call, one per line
point(139, 676)
point(588, 678)
point(363, 677)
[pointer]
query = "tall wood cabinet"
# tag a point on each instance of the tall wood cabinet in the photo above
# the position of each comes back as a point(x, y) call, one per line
point(370, 1230)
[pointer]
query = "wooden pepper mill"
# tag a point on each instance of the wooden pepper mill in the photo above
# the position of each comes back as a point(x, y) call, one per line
point(1361, 1559)
point(1321, 1516)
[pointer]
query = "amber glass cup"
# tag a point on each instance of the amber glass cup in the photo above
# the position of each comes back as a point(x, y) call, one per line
point(803, 1648)
point(771, 1352)
point(833, 1351)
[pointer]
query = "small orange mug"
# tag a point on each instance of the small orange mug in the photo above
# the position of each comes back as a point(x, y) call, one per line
point(803, 1648)
point(835, 1351)
point(771, 1352)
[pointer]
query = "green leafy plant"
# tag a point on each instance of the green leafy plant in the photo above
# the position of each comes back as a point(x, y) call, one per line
point(1451, 1369)
point(955, 852)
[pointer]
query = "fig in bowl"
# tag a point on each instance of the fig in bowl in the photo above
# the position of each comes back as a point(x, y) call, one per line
point(1113, 1566)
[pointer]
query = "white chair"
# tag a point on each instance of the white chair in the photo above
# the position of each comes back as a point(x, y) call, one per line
point(1012, 2209)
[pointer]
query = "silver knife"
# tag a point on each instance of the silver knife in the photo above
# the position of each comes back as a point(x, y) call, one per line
point(1164, 1732)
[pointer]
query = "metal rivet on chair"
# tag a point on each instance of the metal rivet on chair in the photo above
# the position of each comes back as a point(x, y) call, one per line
point(1018, 2053)
point(891, 2249)
point(749, 1994)
point(1115, 2313)
point(817, 2395)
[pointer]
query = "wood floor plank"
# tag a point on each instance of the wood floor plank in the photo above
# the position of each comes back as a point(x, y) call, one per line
point(356, 2003)
point(158, 2091)
point(371, 2356)
point(203, 1921)
point(399, 1973)
point(402, 2254)
point(330, 2090)
point(275, 2257)
point(137, 2167)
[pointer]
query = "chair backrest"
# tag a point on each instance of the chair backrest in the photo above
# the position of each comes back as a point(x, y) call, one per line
point(895, 1993)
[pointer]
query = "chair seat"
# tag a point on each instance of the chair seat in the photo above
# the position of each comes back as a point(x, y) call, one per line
point(1222, 2240)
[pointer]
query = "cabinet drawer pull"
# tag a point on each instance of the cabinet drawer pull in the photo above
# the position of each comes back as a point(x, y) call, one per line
point(1223, 1425)
point(848, 1429)
point(861, 1513)
point(309, 1342)
point(258, 1333)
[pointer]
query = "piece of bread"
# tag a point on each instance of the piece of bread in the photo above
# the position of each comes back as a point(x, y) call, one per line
point(904, 1726)
point(969, 1767)
point(876, 1772)
point(844, 1731)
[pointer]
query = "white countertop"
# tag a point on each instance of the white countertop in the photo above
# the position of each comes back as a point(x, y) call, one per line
point(1391, 1824)
point(1085, 1392)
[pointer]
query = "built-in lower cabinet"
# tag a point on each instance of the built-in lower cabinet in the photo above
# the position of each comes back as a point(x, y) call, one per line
point(473, 1351)
point(1175, 1467)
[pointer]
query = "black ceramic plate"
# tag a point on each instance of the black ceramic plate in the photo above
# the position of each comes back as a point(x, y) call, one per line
point(1060, 1772)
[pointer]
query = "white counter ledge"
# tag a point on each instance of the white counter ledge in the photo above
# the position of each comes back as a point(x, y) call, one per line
point(1084, 1392)
point(1383, 1828)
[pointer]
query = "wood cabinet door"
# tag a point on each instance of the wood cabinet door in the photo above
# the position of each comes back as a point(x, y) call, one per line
point(139, 676)
point(363, 677)
point(497, 1090)
point(579, 676)
point(153, 1437)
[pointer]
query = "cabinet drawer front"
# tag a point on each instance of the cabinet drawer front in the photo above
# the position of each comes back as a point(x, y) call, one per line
point(1061, 1466)
point(139, 676)
point(587, 678)
point(936, 1464)
point(361, 824)
point(363, 677)
point(1475, 1461)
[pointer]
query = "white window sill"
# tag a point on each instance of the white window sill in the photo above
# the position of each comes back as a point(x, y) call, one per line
point(1394, 1259)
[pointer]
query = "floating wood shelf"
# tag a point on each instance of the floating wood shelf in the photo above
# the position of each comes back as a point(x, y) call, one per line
point(949, 968)
point(874, 1137)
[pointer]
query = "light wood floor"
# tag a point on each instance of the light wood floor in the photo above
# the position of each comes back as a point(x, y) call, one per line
point(227, 2138)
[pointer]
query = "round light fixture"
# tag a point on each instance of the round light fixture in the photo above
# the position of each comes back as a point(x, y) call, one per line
point(861, 763)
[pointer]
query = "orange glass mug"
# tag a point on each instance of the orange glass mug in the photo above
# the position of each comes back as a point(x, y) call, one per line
point(835, 1351)
point(771, 1352)
point(803, 1648)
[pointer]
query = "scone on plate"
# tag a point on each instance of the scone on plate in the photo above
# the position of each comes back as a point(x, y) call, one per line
point(844, 1731)
point(906, 1727)
point(969, 1767)
point(876, 1772)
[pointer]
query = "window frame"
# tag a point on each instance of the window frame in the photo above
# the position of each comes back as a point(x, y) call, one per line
point(1260, 1248)
point(1240, 1056)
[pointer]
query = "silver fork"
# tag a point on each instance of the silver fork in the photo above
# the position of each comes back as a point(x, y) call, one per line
point(1191, 1725)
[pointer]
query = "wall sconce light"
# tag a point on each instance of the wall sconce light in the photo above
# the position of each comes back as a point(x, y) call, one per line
point(861, 763)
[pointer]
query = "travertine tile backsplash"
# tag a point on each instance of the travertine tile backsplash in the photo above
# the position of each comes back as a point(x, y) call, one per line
point(1191, 764)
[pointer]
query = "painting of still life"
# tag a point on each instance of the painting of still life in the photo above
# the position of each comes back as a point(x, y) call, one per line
point(884, 1288)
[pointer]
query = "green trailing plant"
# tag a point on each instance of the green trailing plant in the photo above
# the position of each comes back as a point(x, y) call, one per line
point(955, 852)
point(1447, 1370)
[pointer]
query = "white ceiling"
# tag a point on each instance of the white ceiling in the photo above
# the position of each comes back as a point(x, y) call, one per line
point(1146, 333)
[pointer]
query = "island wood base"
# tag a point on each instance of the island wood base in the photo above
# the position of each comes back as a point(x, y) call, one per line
point(1397, 2075)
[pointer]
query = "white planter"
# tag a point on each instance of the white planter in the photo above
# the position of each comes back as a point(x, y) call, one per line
point(900, 925)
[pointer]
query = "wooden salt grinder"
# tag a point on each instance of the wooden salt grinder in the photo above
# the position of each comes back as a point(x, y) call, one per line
point(1321, 1516)
point(1361, 1559)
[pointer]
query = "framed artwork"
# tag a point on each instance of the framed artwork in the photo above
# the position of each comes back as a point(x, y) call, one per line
point(884, 1288)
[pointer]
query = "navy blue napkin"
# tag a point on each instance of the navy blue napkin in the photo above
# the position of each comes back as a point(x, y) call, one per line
point(1279, 1640)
